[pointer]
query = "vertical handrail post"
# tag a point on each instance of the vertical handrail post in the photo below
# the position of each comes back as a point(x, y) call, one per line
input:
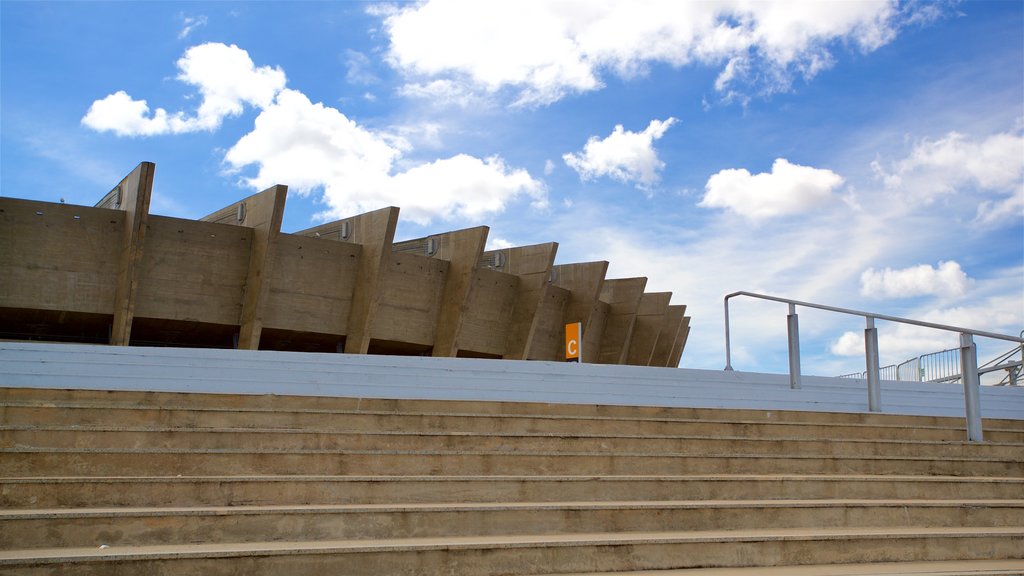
point(972, 386)
point(728, 350)
point(793, 325)
point(872, 366)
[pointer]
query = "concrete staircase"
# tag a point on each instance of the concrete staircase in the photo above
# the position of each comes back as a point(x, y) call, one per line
point(139, 482)
point(151, 483)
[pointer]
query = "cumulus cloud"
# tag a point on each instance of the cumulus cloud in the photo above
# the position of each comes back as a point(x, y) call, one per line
point(955, 162)
point(947, 279)
point(624, 155)
point(546, 50)
point(312, 146)
point(226, 79)
point(787, 189)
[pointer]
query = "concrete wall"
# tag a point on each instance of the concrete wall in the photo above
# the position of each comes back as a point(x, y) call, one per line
point(89, 273)
point(366, 376)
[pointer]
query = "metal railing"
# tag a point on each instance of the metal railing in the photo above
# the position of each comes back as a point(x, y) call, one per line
point(968, 353)
point(942, 366)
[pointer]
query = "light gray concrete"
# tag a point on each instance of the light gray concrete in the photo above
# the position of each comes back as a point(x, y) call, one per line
point(45, 365)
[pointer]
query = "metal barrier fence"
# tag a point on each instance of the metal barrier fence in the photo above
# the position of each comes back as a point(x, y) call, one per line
point(968, 354)
point(943, 366)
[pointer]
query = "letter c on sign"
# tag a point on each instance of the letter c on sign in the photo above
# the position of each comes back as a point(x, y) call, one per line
point(573, 335)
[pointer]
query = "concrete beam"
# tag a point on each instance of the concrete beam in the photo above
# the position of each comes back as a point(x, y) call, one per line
point(532, 265)
point(375, 233)
point(680, 343)
point(262, 213)
point(650, 316)
point(549, 336)
point(131, 196)
point(583, 280)
point(623, 297)
point(670, 326)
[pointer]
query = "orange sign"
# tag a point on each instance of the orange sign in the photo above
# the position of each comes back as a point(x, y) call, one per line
point(573, 341)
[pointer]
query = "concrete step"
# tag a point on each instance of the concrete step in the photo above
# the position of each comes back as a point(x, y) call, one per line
point(948, 568)
point(77, 492)
point(99, 438)
point(532, 554)
point(169, 416)
point(92, 527)
point(329, 404)
point(148, 462)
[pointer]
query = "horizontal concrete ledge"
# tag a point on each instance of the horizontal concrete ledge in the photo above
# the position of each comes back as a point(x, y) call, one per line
point(253, 478)
point(244, 549)
point(652, 505)
point(38, 365)
point(948, 568)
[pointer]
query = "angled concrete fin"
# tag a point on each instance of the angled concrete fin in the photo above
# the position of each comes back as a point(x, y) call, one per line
point(263, 212)
point(132, 196)
point(623, 298)
point(583, 280)
point(650, 317)
point(532, 265)
point(671, 323)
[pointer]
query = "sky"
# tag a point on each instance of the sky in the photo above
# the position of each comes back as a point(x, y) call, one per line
point(860, 154)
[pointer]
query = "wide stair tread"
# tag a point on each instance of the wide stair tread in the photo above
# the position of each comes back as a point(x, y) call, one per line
point(948, 568)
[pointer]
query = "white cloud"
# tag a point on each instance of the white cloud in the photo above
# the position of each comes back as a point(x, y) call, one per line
point(498, 244)
point(999, 313)
point(546, 50)
point(121, 114)
point(189, 24)
point(446, 91)
point(948, 279)
point(997, 212)
point(624, 155)
point(956, 162)
point(360, 69)
point(226, 78)
point(310, 146)
point(787, 189)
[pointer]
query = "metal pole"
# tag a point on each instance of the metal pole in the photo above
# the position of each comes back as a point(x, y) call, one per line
point(972, 386)
point(792, 322)
point(728, 352)
point(871, 361)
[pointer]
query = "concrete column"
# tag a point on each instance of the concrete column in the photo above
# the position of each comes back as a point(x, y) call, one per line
point(650, 318)
point(462, 249)
point(374, 232)
point(680, 344)
point(532, 265)
point(263, 213)
point(670, 330)
point(583, 280)
point(623, 298)
point(131, 196)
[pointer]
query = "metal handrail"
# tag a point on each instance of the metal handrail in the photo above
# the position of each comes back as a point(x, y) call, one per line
point(968, 352)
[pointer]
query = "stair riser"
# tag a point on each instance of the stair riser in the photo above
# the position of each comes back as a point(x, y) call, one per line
point(269, 440)
point(173, 418)
point(238, 492)
point(93, 531)
point(531, 559)
point(162, 400)
point(13, 464)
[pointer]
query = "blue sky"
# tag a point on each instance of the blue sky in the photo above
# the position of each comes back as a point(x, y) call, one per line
point(860, 154)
